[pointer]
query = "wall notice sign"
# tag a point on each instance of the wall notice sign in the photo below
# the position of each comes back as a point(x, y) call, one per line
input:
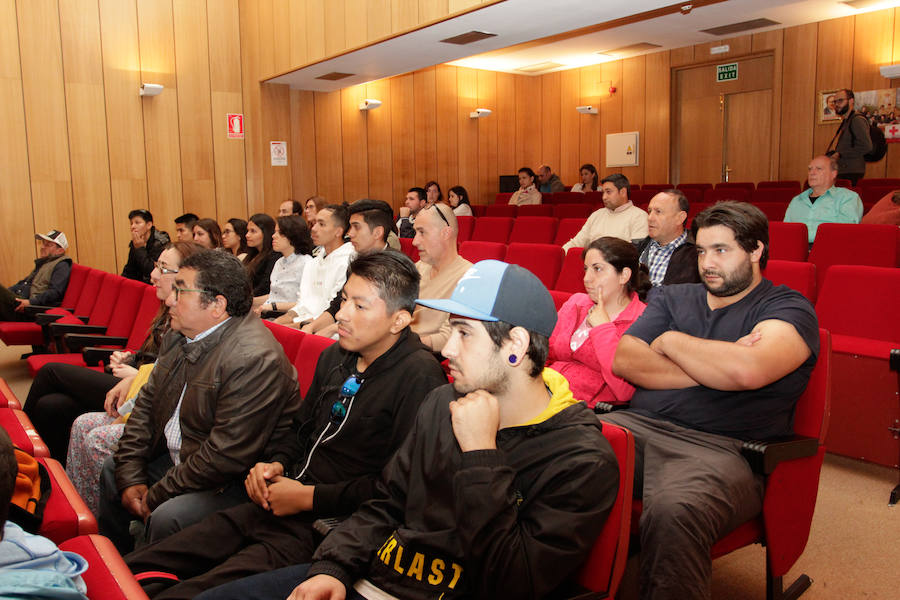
point(236, 126)
point(278, 152)
point(726, 72)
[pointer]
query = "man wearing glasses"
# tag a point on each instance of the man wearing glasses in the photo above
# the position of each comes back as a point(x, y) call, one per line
point(221, 388)
point(852, 141)
point(361, 404)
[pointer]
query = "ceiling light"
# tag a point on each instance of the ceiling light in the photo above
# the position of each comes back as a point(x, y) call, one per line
point(468, 38)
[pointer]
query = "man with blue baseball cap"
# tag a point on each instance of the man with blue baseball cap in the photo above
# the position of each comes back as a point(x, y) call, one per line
point(501, 488)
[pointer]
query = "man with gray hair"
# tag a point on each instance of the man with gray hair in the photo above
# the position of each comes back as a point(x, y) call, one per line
point(45, 285)
point(669, 252)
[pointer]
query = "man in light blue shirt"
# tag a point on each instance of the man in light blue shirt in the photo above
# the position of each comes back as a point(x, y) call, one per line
point(822, 202)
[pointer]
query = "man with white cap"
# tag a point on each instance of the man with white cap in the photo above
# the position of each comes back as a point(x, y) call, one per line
point(500, 489)
point(45, 285)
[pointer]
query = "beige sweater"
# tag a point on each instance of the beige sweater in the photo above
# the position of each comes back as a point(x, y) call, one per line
point(433, 326)
point(628, 222)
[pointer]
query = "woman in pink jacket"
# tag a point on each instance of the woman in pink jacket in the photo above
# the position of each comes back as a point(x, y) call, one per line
point(590, 325)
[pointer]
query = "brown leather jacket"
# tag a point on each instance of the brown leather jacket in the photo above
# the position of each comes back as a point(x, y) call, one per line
point(241, 390)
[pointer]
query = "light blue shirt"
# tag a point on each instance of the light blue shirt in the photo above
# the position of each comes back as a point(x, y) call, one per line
point(836, 205)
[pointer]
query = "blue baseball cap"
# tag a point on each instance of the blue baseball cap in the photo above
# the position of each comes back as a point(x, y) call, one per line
point(492, 290)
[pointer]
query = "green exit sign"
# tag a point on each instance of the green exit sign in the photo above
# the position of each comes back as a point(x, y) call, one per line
point(726, 72)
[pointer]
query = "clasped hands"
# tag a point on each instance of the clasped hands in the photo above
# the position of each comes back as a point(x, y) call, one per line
point(269, 489)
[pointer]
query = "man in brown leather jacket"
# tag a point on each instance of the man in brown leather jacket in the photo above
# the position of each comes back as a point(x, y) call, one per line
point(221, 388)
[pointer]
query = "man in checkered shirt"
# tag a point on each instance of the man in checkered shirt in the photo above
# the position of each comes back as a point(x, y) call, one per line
point(669, 251)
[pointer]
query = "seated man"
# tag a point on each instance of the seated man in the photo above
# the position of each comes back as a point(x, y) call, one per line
point(618, 217)
point(822, 201)
point(713, 364)
point(502, 486)
point(290, 207)
point(31, 566)
point(324, 276)
point(221, 388)
point(146, 244)
point(550, 181)
point(416, 200)
point(184, 227)
point(669, 251)
point(45, 285)
point(327, 465)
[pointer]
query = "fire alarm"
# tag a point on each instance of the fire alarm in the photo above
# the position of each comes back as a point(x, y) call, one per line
point(612, 89)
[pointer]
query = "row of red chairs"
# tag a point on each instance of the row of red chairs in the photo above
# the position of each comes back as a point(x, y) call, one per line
point(783, 183)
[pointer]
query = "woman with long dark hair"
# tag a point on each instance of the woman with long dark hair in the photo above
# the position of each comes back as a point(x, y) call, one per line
point(459, 201)
point(527, 192)
point(589, 179)
point(260, 257)
point(234, 237)
point(207, 234)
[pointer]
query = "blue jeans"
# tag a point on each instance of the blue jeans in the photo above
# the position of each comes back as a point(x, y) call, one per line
point(274, 585)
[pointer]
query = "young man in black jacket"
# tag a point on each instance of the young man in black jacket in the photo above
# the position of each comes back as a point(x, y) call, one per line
point(501, 488)
point(360, 406)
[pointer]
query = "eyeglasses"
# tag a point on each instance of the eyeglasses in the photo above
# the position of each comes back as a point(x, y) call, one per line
point(443, 218)
point(179, 290)
point(348, 390)
point(164, 269)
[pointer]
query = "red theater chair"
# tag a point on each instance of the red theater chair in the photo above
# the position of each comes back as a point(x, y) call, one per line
point(657, 187)
point(307, 356)
point(566, 229)
point(8, 397)
point(568, 198)
point(866, 182)
point(107, 577)
point(800, 276)
point(858, 304)
point(502, 198)
point(535, 210)
point(572, 211)
point(781, 196)
point(65, 514)
point(774, 211)
point(695, 186)
point(544, 260)
point(853, 244)
point(533, 230)
point(571, 275)
point(501, 210)
point(641, 198)
point(476, 251)
point(466, 225)
point(289, 338)
point(733, 185)
point(788, 241)
point(559, 298)
point(787, 184)
point(22, 432)
point(406, 246)
point(492, 229)
point(722, 194)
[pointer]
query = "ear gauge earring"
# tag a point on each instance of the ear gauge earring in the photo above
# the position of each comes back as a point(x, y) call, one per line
point(512, 359)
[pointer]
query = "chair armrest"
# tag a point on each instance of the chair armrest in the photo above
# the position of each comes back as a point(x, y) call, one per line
point(45, 318)
point(93, 355)
point(33, 310)
point(61, 329)
point(7, 396)
point(76, 341)
point(765, 456)
point(272, 314)
point(894, 360)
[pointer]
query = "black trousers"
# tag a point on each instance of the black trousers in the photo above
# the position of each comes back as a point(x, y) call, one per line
point(58, 395)
point(8, 306)
point(228, 545)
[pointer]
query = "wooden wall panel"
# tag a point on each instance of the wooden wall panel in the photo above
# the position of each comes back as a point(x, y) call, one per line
point(380, 158)
point(528, 121)
point(425, 125)
point(833, 69)
point(315, 30)
point(195, 107)
point(655, 137)
point(17, 247)
point(570, 159)
point(297, 12)
point(223, 18)
point(304, 181)
point(550, 109)
point(506, 124)
point(590, 93)
point(632, 93)
point(335, 33)
point(276, 124)
point(355, 34)
point(157, 44)
point(402, 133)
point(45, 117)
point(254, 149)
point(329, 164)
point(774, 41)
point(265, 29)
point(378, 19)
point(446, 125)
point(488, 182)
point(282, 34)
point(86, 119)
point(431, 10)
point(610, 107)
point(404, 14)
point(738, 46)
point(467, 132)
point(798, 117)
point(355, 143)
point(681, 56)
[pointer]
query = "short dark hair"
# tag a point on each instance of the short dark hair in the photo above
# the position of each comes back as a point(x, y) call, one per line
point(221, 274)
point(187, 219)
point(296, 208)
point(618, 180)
point(461, 193)
point(211, 228)
point(748, 223)
point(376, 213)
point(393, 273)
point(621, 254)
point(142, 213)
point(538, 345)
point(849, 93)
point(529, 172)
point(683, 202)
point(294, 228)
point(9, 468)
point(423, 195)
point(340, 214)
point(438, 186)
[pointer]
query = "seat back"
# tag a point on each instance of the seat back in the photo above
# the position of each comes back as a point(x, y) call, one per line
point(77, 279)
point(311, 346)
point(572, 211)
point(406, 246)
point(787, 184)
point(873, 193)
point(722, 194)
point(502, 198)
point(641, 198)
point(501, 210)
point(732, 185)
point(853, 244)
point(474, 251)
point(533, 230)
point(567, 228)
point(535, 210)
point(774, 211)
point(878, 181)
point(107, 296)
point(126, 307)
point(568, 198)
point(800, 276)
point(492, 229)
point(606, 563)
point(544, 260)
point(780, 195)
point(466, 224)
point(571, 275)
point(146, 312)
point(289, 338)
point(656, 187)
point(559, 298)
point(812, 411)
point(695, 186)
point(88, 296)
point(860, 301)
point(788, 241)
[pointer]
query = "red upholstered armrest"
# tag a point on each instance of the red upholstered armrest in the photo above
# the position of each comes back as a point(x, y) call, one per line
point(65, 515)
point(8, 396)
point(39, 448)
point(765, 456)
point(108, 577)
point(848, 344)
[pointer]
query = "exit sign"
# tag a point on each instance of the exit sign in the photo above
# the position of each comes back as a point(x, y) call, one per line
point(726, 72)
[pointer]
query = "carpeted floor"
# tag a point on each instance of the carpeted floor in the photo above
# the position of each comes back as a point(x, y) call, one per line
point(853, 550)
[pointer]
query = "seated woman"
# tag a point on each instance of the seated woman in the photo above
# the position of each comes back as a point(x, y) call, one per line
point(207, 234)
point(433, 193)
point(61, 392)
point(459, 201)
point(311, 208)
point(527, 192)
point(590, 325)
point(234, 238)
point(260, 257)
point(589, 179)
point(291, 239)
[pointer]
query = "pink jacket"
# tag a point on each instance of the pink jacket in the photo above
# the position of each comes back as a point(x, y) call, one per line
point(589, 369)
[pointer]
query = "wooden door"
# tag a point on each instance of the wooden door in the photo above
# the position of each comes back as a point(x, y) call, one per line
point(748, 121)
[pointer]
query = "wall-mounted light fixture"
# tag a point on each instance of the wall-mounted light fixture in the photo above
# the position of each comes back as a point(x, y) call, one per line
point(479, 113)
point(151, 89)
point(587, 110)
point(890, 71)
point(369, 104)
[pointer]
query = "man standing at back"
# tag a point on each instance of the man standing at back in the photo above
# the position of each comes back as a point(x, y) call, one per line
point(45, 285)
point(852, 141)
point(714, 364)
point(822, 201)
point(618, 217)
point(669, 251)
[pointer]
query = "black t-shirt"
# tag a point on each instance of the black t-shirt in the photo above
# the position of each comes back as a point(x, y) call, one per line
point(760, 414)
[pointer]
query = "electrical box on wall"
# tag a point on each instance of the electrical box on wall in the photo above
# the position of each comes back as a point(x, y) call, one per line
point(622, 149)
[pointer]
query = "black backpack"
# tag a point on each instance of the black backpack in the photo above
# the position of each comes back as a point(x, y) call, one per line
point(879, 144)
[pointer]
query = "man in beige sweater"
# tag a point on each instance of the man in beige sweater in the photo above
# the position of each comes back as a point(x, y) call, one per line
point(440, 267)
point(618, 217)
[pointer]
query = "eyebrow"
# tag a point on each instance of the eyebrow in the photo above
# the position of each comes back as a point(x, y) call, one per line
point(460, 323)
point(179, 282)
point(719, 245)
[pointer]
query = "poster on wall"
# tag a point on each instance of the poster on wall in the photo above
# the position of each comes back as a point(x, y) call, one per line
point(278, 153)
point(881, 107)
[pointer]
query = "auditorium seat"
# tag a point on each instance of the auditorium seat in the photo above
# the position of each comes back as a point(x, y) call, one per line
point(406, 246)
point(641, 197)
point(466, 224)
point(694, 195)
point(501, 210)
point(492, 229)
point(844, 183)
point(572, 211)
point(800, 276)
point(695, 186)
point(108, 577)
point(858, 304)
point(720, 195)
point(695, 209)
point(289, 338)
point(559, 298)
point(474, 251)
point(533, 230)
point(571, 275)
point(656, 187)
point(788, 184)
point(774, 211)
point(65, 514)
point(788, 241)
point(502, 198)
point(22, 432)
point(566, 230)
point(873, 193)
point(891, 182)
point(535, 210)
point(567, 198)
point(311, 346)
point(479, 209)
point(593, 198)
point(544, 260)
point(732, 185)
point(779, 195)
point(853, 244)
point(8, 397)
